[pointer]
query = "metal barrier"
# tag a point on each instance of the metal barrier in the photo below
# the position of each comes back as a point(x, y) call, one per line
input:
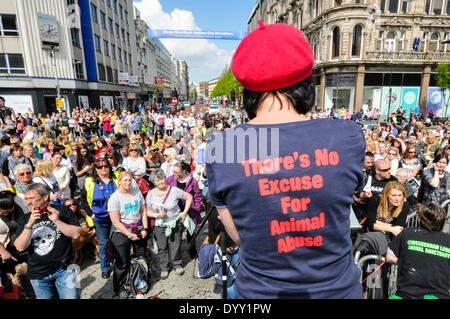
point(373, 282)
point(413, 219)
point(446, 228)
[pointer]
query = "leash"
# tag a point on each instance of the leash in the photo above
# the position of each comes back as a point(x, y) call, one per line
point(373, 272)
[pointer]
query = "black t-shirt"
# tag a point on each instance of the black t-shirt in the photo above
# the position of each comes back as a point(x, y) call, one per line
point(372, 209)
point(377, 186)
point(11, 221)
point(423, 263)
point(49, 248)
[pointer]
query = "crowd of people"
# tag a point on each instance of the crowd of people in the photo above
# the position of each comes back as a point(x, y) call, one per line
point(122, 176)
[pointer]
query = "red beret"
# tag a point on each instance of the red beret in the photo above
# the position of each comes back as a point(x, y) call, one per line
point(272, 57)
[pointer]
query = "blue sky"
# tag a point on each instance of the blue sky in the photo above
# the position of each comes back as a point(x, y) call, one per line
point(206, 58)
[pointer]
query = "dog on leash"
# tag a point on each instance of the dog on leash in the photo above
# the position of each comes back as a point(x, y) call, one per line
point(21, 280)
point(86, 236)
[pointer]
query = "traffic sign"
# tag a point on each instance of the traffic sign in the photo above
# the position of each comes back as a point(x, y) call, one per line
point(59, 103)
point(174, 101)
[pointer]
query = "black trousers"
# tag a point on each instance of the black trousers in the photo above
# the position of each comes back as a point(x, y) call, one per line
point(122, 245)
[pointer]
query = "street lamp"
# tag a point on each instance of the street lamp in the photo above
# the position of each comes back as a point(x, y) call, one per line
point(390, 93)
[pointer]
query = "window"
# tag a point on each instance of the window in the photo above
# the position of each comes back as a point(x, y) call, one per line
point(110, 25)
point(101, 72)
point(106, 47)
point(404, 6)
point(108, 3)
point(125, 58)
point(113, 51)
point(393, 6)
point(103, 19)
point(11, 63)
point(8, 25)
point(123, 35)
point(129, 59)
point(94, 13)
point(128, 38)
point(116, 76)
point(389, 44)
point(448, 7)
point(446, 47)
point(97, 43)
point(335, 48)
point(120, 55)
point(117, 31)
point(423, 42)
point(115, 6)
point(428, 6)
point(75, 34)
point(120, 11)
point(356, 41)
point(379, 46)
point(383, 6)
point(109, 73)
point(79, 73)
point(126, 16)
point(438, 6)
point(434, 42)
point(401, 41)
point(337, 3)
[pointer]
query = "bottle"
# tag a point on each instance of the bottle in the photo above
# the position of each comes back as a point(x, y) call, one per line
point(139, 295)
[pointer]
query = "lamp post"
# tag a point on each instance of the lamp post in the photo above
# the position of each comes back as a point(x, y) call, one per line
point(390, 94)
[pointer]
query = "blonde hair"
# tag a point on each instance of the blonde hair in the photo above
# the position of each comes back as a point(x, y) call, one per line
point(171, 152)
point(44, 168)
point(122, 175)
point(384, 201)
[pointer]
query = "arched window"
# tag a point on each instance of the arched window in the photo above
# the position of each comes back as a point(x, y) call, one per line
point(434, 42)
point(356, 41)
point(336, 43)
point(389, 44)
point(315, 47)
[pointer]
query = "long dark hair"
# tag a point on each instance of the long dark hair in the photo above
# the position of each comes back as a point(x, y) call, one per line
point(301, 95)
point(82, 161)
point(95, 175)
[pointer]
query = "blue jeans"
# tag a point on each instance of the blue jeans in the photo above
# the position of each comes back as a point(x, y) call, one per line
point(62, 284)
point(102, 233)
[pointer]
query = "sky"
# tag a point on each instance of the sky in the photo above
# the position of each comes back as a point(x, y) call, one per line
point(206, 59)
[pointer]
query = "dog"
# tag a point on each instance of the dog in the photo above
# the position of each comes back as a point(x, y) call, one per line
point(20, 279)
point(78, 244)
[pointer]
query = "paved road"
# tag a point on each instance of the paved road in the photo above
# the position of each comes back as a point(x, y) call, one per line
point(187, 286)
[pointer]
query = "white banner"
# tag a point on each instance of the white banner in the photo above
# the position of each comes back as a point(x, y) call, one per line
point(20, 103)
point(107, 101)
point(83, 101)
point(133, 80)
point(124, 78)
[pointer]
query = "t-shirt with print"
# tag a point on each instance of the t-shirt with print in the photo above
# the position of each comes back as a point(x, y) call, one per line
point(128, 205)
point(289, 188)
point(423, 263)
point(49, 248)
point(155, 201)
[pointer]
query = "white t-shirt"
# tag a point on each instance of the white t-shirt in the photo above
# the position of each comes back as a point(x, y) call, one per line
point(168, 123)
point(128, 205)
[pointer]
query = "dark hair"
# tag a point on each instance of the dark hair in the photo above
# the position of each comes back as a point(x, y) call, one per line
point(431, 216)
point(97, 179)
point(6, 200)
point(59, 148)
point(2, 98)
point(112, 153)
point(82, 161)
point(101, 140)
point(184, 166)
point(370, 154)
point(438, 156)
point(301, 95)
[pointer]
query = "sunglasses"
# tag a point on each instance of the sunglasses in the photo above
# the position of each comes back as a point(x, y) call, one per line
point(25, 173)
point(392, 153)
point(384, 170)
point(133, 150)
point(102, 166)
point(72, 204)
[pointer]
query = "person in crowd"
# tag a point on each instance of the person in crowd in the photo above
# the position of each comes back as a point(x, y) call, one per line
point(436, 180)
point(99, 187)
point(400, 144)
point(128, 215)
point(114, 159)
point(23, 178)
point(49, 147)
point(410, 161)
point(183, 179)
point(83, 165)
point(169, 160)
point(106, 121)
point(154, 159)
point(30, 134)
point(278, 93)
point(411, 198)
point(446, 140)
point(162, 204)
point(382, 150)
point(388, 212)
point(30, 154)
point(10, 213)
point(62, 175)
point(430, 148)
point(183, 153)
point(134, 163)
point(47, 233)
point(102, 148)
point(146, 144)
point(158, 137)
point(394, 158)
point(422, 271)
point(44, 175)
point(16, 158)
point(136, 140)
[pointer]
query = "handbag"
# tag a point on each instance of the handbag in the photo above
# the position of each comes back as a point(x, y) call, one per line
point(144, 187)
point(153, 220)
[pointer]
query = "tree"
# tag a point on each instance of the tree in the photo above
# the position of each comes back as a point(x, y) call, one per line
point(442, 78)
point(193, 94)
point(227, 84)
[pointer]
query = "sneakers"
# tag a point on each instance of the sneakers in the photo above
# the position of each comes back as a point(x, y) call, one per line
point(164, 274)
point(106, 274)
point(179, 271)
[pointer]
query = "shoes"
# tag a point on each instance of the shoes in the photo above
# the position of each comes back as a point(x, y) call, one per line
point(179, 271)
point(164, 274)
point(106, 274)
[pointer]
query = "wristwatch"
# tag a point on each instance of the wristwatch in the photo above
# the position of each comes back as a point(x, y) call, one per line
point(27, 227)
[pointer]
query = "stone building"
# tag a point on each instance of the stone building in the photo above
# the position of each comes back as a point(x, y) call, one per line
point(370, 53)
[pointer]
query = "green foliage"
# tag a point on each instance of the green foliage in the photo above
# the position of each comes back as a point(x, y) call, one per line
point(227, 84)
point(442, 76)
point(193, 93)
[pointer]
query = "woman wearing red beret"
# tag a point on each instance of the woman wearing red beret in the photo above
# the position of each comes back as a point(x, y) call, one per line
point(283, 183)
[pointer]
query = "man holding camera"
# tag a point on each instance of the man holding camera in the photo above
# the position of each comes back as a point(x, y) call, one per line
point(47, 233)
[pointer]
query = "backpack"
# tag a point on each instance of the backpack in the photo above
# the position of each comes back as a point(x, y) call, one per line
point(138, 276)
point(210, 264)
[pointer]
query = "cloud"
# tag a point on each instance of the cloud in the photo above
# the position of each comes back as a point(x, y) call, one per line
point(205, 60)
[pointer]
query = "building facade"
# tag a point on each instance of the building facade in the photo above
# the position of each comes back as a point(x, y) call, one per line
point(370, 53)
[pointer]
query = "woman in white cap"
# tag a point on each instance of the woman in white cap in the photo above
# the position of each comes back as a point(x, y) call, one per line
point(283, 183)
